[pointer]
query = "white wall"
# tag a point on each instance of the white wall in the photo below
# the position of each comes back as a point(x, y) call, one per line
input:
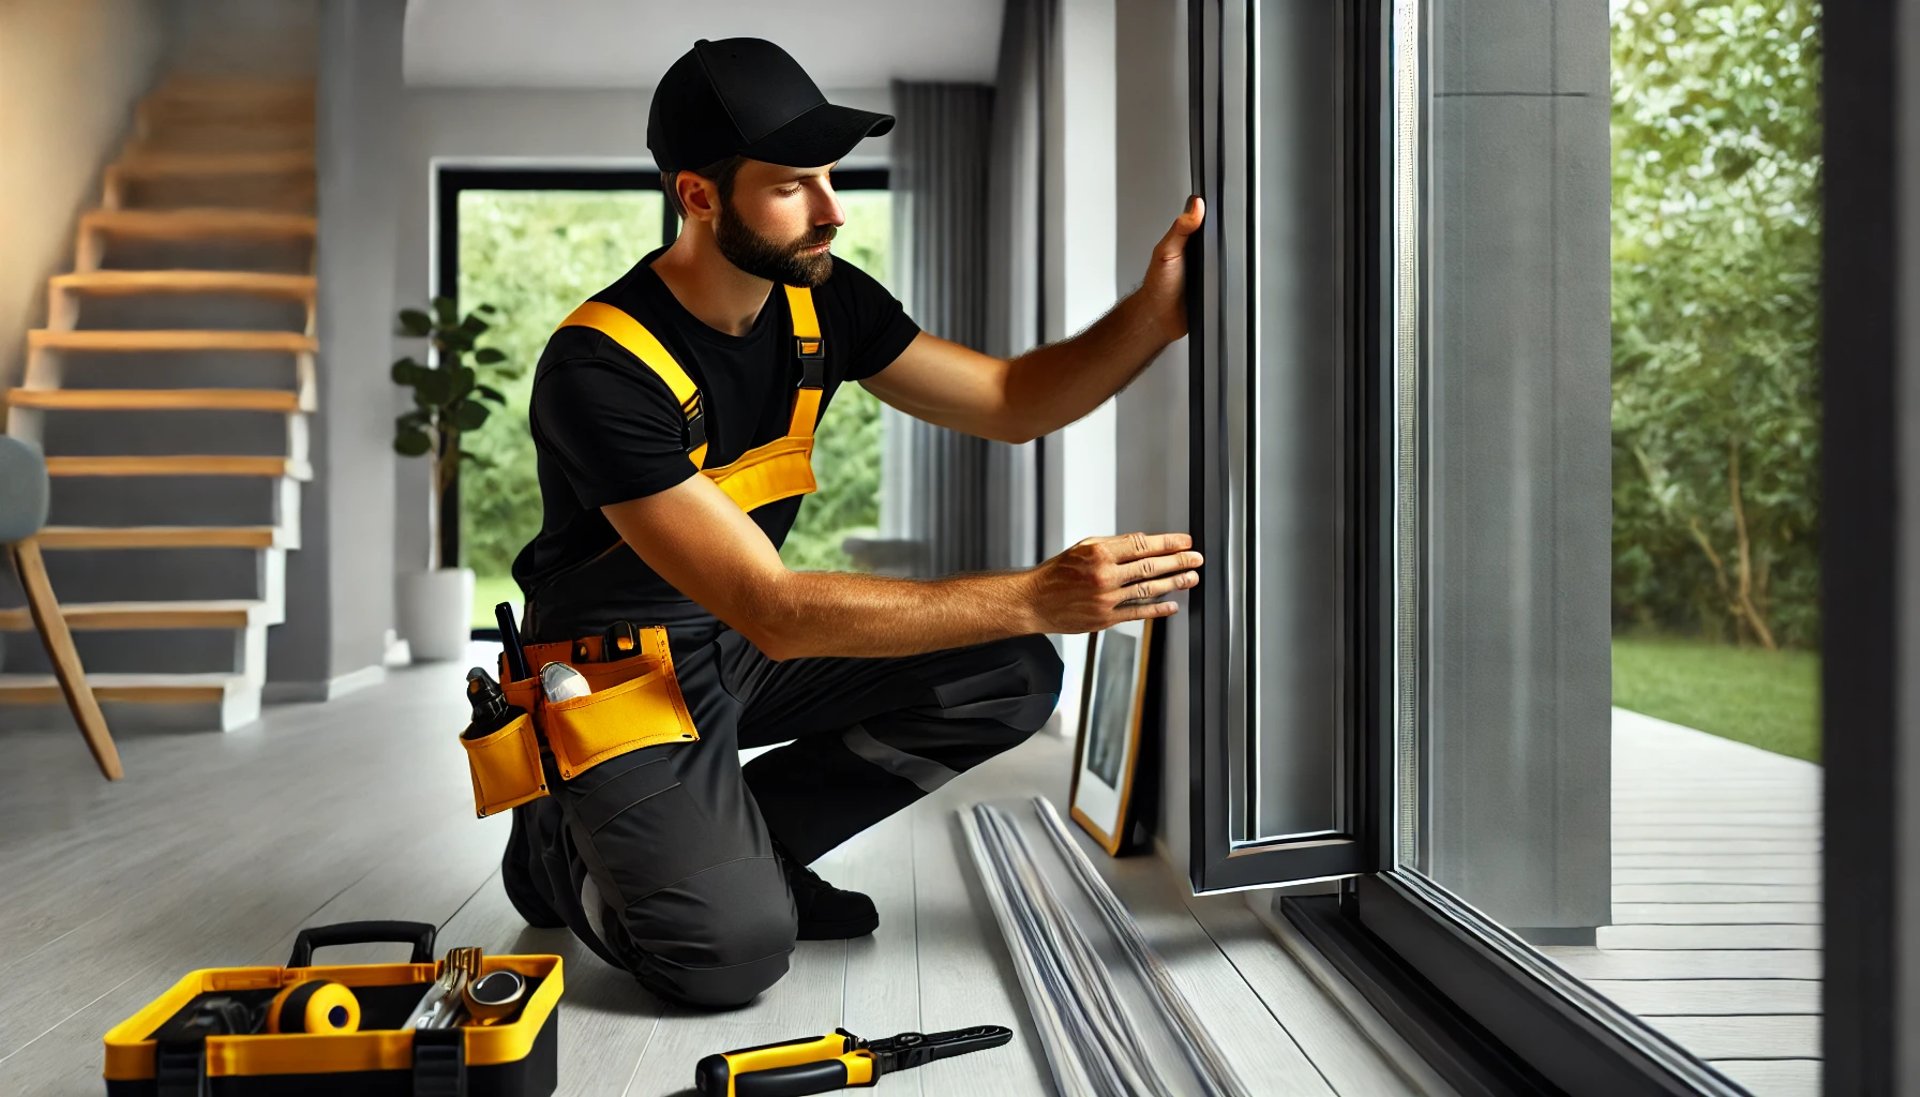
point(1078, 462)
point(1150, 466)
point(70, 74)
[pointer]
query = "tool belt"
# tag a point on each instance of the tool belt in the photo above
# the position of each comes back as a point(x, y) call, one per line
point(179, 1045)
point(636, 703)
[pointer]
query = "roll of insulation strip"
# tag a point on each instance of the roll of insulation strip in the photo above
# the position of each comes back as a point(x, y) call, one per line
point(314, 1006)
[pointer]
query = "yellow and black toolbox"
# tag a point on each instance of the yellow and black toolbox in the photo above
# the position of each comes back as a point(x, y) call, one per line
point(303, 1030)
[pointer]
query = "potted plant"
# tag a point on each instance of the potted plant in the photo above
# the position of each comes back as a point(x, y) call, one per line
point(435, 606)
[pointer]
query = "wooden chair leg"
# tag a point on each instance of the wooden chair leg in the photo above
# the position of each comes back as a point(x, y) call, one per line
point(32, 569)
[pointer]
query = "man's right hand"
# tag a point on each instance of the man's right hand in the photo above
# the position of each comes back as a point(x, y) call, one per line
point(1103, 581)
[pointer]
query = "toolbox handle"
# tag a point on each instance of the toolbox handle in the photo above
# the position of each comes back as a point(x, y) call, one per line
point(418, 934)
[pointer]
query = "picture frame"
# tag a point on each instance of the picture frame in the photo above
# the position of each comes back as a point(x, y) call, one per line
point(1106, 755)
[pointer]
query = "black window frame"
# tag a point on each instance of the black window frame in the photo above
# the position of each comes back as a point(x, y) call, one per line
point(1490, 1014)
point(451, 181)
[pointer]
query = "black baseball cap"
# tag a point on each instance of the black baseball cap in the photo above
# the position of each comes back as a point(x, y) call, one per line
point(748, 97)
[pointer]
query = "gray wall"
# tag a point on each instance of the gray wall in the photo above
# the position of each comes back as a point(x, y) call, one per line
point(70, 74)
point(340, 584)
point(1519, 743)
point(252, 39)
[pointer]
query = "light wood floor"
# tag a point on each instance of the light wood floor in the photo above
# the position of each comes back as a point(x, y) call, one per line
point(1716, 902)
point(216, 849)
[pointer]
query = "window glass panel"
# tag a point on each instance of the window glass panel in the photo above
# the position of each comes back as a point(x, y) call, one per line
point(1612, 742)
point(1288, 774)
point(534, 255)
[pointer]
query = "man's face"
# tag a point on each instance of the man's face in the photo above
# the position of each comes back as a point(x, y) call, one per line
point(776, 221)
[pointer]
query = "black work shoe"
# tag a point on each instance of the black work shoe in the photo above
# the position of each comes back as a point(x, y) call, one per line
point(827, 913)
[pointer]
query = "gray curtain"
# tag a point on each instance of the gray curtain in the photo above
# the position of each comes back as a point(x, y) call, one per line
point(966, 198)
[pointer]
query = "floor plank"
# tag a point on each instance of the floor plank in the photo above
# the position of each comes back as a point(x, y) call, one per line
point(1592, 963)
point(1745, 1037)
point(1774, 1077)
point(1709, 937)
point(1764, 894)
point(1267, 1057)
point(1342, 1053)
point(1706, 997)
point(1716, 914)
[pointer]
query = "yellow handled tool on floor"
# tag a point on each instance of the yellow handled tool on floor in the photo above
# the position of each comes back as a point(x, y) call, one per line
point(820, 1064)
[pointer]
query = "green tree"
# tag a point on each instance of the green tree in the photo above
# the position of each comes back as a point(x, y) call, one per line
point(1716, 250)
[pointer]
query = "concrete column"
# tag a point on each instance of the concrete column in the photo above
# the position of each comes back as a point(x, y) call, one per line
point(1516, 815)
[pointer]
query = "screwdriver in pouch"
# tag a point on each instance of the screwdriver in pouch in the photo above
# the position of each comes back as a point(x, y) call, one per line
point(820, 1064)
point(491, 710)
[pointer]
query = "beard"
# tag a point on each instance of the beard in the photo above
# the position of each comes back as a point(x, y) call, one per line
point(762, 257)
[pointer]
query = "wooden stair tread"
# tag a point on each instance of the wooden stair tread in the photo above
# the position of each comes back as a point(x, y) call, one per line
point(156, 399)
point(207, 614)
point(44, 689)
point(83, 537)
point(149, 164)
point(170, 339)
point(180, 465)
point(299, 286)
point(198, 223)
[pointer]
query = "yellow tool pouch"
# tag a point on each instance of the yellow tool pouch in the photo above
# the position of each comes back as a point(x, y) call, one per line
point(636, 702)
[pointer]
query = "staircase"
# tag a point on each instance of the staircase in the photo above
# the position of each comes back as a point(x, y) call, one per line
point(170, 390)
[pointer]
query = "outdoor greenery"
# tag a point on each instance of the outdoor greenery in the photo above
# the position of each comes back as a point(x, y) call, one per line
point(1716, 248)
point(1770, 699)
point(1716, 341)
point(537, 254)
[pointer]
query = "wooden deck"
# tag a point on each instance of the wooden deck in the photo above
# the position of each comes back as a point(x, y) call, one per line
point(1716, 902)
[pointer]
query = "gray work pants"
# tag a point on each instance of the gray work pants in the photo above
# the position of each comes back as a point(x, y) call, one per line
point(659, 859)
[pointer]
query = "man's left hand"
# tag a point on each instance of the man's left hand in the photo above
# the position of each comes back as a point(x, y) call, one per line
point(1164, 290)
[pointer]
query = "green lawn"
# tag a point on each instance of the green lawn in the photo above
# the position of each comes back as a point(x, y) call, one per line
point(489, 591)
point(1770, 699)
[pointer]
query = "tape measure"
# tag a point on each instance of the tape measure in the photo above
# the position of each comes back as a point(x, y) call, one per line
point(314, 1006)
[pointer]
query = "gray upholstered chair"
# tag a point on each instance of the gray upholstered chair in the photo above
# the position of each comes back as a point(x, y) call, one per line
point(23, 511)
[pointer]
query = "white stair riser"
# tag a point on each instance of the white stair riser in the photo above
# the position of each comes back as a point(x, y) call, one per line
point(240, 708)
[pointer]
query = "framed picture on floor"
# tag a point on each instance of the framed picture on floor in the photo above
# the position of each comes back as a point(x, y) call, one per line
point(1107, 753)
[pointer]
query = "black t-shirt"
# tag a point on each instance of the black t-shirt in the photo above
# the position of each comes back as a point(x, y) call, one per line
point(607, 429)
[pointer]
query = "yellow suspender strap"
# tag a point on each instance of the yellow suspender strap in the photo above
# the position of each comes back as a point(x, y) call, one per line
point(812, 352)
point(640, 343)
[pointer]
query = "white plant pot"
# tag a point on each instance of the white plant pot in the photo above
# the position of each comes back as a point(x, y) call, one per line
point(435, 613)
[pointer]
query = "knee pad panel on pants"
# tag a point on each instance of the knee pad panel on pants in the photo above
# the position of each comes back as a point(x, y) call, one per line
point(717, 938)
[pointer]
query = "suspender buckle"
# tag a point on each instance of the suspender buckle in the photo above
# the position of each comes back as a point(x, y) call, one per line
point(807, 349)
point(813, 361)
point(696, 422)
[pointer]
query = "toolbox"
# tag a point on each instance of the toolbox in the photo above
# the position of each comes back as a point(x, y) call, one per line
point(294, 1031)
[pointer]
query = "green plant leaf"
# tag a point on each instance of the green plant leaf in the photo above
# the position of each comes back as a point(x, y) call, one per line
point(488, 309)
point(434, 385)
point(471, 415)
point(404, 371)
point(412, 443)
point(414, 322)
point(473, 325)
point(443, 311)
point(491, 393)
point(487, 356)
